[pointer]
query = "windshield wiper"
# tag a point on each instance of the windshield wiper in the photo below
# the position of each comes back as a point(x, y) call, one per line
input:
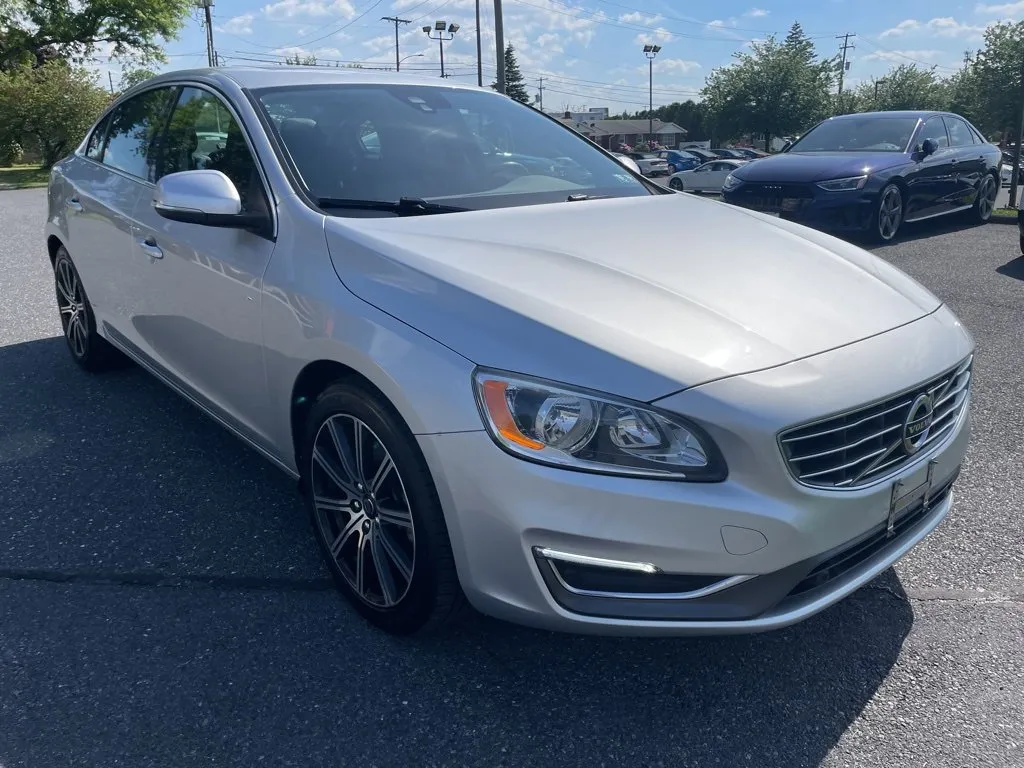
point(404, 206)
point(583, 196)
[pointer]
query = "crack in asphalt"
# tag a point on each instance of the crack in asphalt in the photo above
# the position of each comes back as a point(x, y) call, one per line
point(155, 579)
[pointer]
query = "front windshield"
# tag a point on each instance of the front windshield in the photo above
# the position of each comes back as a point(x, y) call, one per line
point(463, 148)
point(858, 134)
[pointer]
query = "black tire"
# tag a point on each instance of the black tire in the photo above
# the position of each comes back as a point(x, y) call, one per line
point(883, 228)
point(90, 350)
point(676, 184)
point(985, 203)
point(432, 597)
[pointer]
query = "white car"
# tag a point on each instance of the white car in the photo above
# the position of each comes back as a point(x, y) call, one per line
point(705, 178)
point(1006, 174)
point(627, 161)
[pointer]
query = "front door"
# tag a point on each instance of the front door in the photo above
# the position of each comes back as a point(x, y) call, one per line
point(202, 323)
point(932, 184)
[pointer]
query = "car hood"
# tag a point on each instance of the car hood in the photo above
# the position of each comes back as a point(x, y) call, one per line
point(637, 296)
point(818, 166)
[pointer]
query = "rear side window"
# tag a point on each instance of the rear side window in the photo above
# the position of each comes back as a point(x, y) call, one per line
point(94, 149)
point(959, 134)
point(133, 127)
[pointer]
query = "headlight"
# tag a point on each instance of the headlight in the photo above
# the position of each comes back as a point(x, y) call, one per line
point(842, 185)
point(564, 427)
point(731, 182)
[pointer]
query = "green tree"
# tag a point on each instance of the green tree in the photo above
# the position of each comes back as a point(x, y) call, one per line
point(996, 74)
point(301, 61)
point(48, 108)
point(906, 86)
point(33, 32)
point(776, 89)
point(515, 87)
point(132, 77)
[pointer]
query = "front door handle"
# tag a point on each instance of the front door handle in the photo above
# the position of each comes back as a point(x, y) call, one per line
point(150, 248)
point(74, 206)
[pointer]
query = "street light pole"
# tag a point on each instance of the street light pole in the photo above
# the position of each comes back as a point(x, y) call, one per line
point(442, 27)
point(650, 51)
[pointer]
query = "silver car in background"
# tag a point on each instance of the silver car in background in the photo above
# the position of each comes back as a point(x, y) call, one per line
point(492, 390)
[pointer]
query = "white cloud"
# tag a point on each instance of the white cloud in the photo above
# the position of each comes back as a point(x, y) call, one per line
point(289, 9)
point(756, 13)
point(675, 66)
point(658, 35)
point(909, 25)
point(902, 57)
point(237, 25)
point(1002, 10)
point(716, 24)
point(551, 43)
point(639, 18)
point(950, 27)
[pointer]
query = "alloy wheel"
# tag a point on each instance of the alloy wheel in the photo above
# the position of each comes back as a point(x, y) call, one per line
point(71, 303)
point(362, 510)
point(890, 213)
point(676, 184)
point(987, 198)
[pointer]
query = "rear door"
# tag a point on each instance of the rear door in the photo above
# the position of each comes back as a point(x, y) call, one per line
point(106, 186)
point(201, 321)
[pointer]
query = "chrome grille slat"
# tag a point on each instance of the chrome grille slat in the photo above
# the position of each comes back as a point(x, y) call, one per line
point(864, 444)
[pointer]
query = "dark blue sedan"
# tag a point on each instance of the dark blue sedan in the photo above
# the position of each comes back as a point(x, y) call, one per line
point(871, 172)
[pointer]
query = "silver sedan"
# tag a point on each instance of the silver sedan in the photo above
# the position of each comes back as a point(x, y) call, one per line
point(492, 390)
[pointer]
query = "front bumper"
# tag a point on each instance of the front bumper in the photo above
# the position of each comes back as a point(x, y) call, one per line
point(797, 549)
point(828, 211)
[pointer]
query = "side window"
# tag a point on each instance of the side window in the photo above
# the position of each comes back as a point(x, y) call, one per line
point(203, 134)
point(133, 126)
point(934, 129)
point(94, 148)
point(959, 134)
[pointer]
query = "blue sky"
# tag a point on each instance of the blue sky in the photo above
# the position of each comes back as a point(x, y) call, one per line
point(589, 51)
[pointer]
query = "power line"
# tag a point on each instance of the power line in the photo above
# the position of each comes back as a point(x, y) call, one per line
point(904, 56)
point(689, 21)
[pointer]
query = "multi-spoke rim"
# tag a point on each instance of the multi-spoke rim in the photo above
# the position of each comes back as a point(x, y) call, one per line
point(363, 511)
point(72, 307)
point(890, 213)
point(987, 197)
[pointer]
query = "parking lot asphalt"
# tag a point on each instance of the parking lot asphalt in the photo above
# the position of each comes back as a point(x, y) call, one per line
point(162, 602)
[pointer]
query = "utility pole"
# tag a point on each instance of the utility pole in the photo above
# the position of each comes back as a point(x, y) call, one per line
point(207, 6)
point(396, 21)
point(1015, 172)
point(110, 77)
point(499, 44)
point(479, 50)
point(540, 87)
point(843, 66)
point(650, 51)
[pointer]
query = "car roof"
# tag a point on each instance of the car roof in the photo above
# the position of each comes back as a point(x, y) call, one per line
point(272, 76)
point(920, 114)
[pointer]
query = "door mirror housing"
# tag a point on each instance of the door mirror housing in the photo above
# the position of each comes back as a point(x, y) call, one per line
point(929, 147)
point(208, 198)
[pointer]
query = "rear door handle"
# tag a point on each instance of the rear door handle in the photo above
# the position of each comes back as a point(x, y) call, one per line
point(74, 206)
point(149, 247)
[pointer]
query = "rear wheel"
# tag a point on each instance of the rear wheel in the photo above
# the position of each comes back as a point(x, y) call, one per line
point(376, 513)
point(676, 184)
point(888, 215)
point(90, 350)
point(986, 200)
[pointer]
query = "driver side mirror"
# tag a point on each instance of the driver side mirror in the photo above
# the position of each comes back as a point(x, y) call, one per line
point(208, 198)
point(929, 147)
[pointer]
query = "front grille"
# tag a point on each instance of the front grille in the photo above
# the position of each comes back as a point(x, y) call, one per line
point(861, 446)
point(754, 190)
point(853, 555)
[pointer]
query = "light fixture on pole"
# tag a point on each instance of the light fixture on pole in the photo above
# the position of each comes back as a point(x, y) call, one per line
point(650, 51)
point(442, 28)
point(410, 56)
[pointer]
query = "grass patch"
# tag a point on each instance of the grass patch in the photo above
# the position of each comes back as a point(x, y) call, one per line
point(23, 177)
point(1007, 213)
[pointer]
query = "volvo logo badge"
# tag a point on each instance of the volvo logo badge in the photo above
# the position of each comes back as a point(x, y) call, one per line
point(918, 424)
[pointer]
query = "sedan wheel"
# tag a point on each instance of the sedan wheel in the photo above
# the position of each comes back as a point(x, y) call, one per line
point(87, 347)
point(676, 184)
point(890, 213)
point(986, 201)
point(376, 513)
